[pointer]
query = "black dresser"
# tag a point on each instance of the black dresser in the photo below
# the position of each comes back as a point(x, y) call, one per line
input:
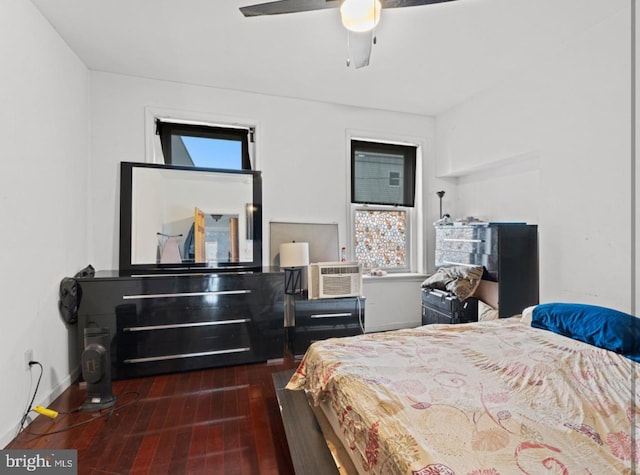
point(507, 251)
point(324, 318)
point(161, 323)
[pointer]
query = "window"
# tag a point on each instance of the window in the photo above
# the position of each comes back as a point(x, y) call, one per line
point(381, 238)
point(382, 173)
point(383, 184)
point(204, 146)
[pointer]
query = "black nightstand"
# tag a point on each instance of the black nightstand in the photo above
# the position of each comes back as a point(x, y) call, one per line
point(320, 319)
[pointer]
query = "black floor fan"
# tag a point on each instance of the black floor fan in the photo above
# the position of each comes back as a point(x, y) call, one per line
point(96, 370)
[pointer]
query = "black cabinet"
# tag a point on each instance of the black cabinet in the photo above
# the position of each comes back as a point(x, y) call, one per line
point(507, 251)
point(325, 318)
point(162, 323)
point(443, 307)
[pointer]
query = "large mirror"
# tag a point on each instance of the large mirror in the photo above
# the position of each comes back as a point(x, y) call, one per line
point(174, 217)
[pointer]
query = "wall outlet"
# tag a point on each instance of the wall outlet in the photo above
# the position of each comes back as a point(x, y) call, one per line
point(28, 356)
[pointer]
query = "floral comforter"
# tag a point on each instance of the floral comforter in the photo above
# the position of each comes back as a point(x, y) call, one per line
point(486, 398)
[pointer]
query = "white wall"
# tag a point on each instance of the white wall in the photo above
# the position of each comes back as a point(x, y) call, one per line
point(301, 151)
point(301, 147)
point(43, 203)
point(552, 147)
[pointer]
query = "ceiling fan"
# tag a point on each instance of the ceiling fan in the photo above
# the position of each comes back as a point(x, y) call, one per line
point(359, 17)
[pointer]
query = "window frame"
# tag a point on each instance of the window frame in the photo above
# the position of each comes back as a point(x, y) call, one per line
point(166, 129)
point(415, 245)
point(409, 153)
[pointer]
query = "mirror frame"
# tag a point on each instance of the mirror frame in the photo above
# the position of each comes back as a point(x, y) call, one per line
point(126, 199)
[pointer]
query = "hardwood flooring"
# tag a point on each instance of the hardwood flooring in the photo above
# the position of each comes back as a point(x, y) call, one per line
point(214, 421)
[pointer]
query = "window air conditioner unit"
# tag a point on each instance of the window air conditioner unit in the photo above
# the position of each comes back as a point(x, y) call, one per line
point(335, 279)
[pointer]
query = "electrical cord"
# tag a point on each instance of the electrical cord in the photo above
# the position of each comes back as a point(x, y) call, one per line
point(30, 406)
point(106, 413)
point(359, 303)
point(103, 412)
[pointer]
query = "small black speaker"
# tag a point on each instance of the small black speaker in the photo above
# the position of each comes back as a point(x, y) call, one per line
point(96, 370)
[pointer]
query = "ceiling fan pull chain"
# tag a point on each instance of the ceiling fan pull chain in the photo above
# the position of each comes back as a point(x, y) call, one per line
point(348, 50)
point(376, 13)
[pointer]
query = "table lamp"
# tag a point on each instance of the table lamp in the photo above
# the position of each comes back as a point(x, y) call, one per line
point(293, 256)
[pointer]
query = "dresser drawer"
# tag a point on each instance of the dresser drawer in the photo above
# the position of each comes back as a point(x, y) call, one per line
point(324, 310)
point(467, 239)
point(335, 324)
point(166, 313)
point(164, 342)
point(173, 364)
point(452, 258)
point(167, 290)
point(334, 319)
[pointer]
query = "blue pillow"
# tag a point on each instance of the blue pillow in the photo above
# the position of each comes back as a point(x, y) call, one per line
point(599, 326)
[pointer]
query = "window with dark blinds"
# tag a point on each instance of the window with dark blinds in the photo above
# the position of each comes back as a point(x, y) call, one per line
point(382, 174)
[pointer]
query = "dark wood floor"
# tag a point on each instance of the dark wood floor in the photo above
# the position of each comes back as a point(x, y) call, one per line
point(223, 420)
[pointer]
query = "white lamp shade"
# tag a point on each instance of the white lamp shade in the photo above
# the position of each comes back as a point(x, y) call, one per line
point(294, 254)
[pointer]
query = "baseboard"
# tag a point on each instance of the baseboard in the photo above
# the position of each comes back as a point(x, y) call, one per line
point(43, 400)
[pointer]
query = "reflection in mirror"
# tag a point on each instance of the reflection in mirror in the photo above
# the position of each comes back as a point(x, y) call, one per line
point(213, 240)
point(188, 216)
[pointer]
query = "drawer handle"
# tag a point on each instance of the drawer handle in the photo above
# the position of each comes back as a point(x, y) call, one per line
point(331, 315)
point(184, 325)
point(184, 294)
point(185, 355)
point(462, 240)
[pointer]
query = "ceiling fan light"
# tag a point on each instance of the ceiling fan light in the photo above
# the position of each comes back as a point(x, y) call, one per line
point(360, 15)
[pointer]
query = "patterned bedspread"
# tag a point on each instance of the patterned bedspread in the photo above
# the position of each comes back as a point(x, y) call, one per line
point(486, 398)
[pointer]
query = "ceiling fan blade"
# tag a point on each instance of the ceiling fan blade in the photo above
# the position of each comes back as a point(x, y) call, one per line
point(409, 3)
point(288, 6)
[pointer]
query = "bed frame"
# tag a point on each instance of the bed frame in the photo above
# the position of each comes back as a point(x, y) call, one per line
point(313, 445)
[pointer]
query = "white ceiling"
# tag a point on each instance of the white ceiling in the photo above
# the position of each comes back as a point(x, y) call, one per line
point(426, 60)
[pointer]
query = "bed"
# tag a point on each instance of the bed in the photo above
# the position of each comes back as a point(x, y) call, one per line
point(552, 391)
